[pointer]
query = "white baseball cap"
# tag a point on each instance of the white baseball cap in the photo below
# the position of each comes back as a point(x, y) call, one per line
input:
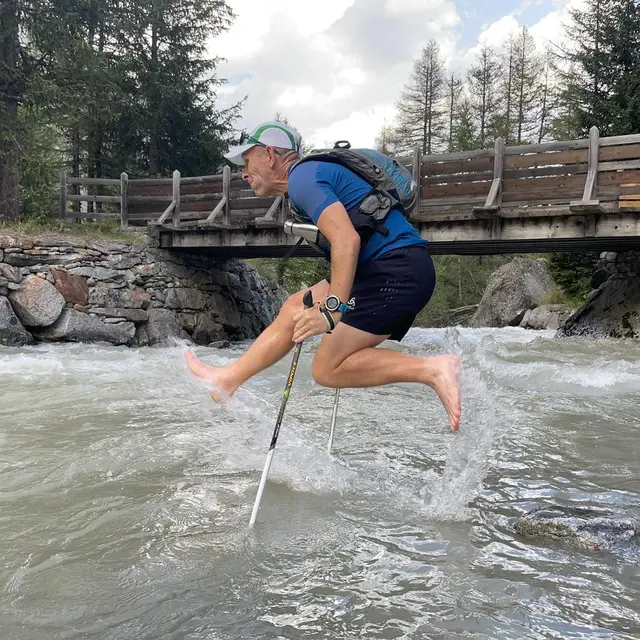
point(267, 134)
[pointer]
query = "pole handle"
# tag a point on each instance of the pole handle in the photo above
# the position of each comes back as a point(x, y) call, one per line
point(308, 299)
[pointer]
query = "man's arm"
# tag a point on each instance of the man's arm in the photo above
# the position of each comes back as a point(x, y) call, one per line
point(336, 226)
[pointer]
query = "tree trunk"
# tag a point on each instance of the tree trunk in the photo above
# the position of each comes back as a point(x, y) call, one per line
point(9, 97)
point(153, 129)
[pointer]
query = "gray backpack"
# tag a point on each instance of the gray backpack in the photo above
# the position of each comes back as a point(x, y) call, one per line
point(393, 185)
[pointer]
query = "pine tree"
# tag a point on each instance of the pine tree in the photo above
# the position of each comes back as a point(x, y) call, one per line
point(169, 70)
point(420, 112)
point(528, 68)
point(483, 81)
point(602, 36)
point(453, 93)
point(465, 136)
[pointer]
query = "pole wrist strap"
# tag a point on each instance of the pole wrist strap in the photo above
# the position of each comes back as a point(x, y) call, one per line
point(331, 323)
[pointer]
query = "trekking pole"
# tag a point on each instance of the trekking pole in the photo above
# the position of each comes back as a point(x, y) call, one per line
point(333, 419)
point(308, 303)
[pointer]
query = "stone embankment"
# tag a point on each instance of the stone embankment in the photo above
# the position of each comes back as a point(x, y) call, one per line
point(55, 288)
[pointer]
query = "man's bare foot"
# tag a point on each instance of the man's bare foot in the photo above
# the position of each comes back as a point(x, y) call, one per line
point(216, 376)
point(447, 386)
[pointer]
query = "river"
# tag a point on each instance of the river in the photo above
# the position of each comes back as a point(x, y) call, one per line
point(125, 496)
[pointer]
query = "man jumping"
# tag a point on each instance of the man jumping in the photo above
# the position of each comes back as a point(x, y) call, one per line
point(376, 289)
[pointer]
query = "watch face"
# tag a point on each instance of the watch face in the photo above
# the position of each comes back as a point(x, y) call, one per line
point(332, 303)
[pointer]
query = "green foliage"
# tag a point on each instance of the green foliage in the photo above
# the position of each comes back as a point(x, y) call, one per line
point(293, 274)
point(602, 69)
point(124, 86)
point(572, 272)
point(39, 164)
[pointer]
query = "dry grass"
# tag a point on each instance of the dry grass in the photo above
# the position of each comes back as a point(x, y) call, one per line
point(89, 230)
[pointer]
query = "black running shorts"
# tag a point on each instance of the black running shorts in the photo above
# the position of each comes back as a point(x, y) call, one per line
point(391, 290)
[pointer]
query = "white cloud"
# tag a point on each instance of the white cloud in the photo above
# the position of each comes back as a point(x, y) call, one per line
point(335, 68)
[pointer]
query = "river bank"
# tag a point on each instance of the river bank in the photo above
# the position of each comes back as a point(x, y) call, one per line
point(63, 288)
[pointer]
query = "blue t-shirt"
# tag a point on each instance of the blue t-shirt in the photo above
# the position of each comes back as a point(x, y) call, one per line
point(314, 185)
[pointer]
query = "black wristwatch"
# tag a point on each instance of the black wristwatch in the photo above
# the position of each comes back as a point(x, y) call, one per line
point(333, 304)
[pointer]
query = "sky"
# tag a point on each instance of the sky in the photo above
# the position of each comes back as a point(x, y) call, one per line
point(335, 68)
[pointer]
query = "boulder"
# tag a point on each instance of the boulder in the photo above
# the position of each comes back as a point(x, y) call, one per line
point(162, 325)
point(225, 311)
point(185, 298)
point(206, 330)
point(74, 289)
point(12, 333)
point(512, 289)
point(73, 326)
point(549, 317)
point(583, 527)
point(612, 311)
point(37, 302)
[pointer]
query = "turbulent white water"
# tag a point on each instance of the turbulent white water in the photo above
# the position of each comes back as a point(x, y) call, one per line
point(125, 495)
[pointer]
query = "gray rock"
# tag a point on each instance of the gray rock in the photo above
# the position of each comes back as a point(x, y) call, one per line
point(147, 270)
point(141, 339)
point(182, 298)
point(73, 326)
point(95, 273)
point(513, 288)
point(206, 330)
point(163, 324)
point(220, 344)
point(37, 302)
point(1, 255)
point(103, 296)
point(225, 311)
point(132, 315)
point(123, 261)
point(173, 270)
point(12, 333)
point(4, 291)
point(106, 247)
point(612, 312)
point(550, 316)
point(20, 259)
point(586, 528)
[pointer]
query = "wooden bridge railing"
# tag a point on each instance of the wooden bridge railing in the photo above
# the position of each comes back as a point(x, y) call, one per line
point(575, 177)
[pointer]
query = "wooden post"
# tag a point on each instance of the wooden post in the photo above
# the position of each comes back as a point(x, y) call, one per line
point(417, 176)
point(284, 213)
point(494, 199)
point(124, 200)
point(589, 202)
point(63, 193)
point(226, 194)
point(176, 198)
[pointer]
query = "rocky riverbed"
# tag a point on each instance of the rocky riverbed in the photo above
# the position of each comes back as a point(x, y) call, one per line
point(65, 289)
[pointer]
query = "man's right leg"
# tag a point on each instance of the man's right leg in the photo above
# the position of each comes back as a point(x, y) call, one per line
point(270, 346)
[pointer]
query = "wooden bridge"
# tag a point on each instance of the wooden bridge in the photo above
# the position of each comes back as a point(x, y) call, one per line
point(577, 195)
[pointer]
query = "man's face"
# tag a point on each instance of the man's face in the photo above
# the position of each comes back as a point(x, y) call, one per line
point(258, 170)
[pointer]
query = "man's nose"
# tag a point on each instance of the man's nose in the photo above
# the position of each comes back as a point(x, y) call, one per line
point(245, 174)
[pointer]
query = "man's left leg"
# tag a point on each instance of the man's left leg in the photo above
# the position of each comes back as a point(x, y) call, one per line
point(348, 358)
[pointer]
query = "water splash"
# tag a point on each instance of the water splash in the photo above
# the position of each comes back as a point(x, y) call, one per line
point(471, 452)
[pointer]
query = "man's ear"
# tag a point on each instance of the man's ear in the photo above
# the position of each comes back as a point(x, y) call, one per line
point(273, 156)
